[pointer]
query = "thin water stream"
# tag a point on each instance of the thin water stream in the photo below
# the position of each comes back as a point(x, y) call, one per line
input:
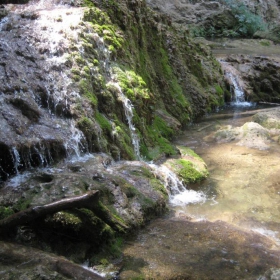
point(235, 232)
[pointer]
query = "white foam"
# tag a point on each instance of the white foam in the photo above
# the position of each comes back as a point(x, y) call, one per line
point(188, 197)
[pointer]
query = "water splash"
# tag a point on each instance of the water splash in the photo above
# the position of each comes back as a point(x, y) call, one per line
point(178, 194)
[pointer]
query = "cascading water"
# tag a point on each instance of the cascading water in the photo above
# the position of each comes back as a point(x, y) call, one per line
point(104, 55)
point(128, 110)
point(237, 93)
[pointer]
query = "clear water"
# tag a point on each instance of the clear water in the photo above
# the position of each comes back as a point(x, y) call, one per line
point(234, 231)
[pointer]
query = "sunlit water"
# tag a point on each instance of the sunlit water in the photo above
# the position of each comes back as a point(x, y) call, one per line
point(234, 231)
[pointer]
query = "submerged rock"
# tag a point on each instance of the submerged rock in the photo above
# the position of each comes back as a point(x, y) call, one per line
point(251, 135)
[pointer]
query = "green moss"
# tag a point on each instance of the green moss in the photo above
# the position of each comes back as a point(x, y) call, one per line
point(158, 186)
point(5, 212)
point(219, 90)
point(103, 122)
point(22, 204)
point(85, 124)
point(188, 172)
point(174, 87)
point(162, 128)
point(132, 84)
point(87, 90)
point(68, 219)
point(185, 151)
point(123, 140)
point(166, 147)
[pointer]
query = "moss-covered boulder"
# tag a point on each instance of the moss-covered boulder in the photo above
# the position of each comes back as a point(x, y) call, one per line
point(189, 167)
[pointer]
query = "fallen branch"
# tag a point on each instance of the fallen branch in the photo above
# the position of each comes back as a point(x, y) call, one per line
point(83, 201)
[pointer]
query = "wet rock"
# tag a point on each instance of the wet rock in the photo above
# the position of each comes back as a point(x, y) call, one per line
point(251, 135)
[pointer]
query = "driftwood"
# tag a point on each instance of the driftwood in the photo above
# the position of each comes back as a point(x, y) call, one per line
point(88, 200)
point(208, 125)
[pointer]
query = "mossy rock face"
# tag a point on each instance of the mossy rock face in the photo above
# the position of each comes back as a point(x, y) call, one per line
point(189, 167)
point(145, 60)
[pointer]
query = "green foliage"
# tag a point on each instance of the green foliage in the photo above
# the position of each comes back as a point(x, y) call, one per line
point(248, 22)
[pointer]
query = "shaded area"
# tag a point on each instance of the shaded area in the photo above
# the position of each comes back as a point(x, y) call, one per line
point(19, 262)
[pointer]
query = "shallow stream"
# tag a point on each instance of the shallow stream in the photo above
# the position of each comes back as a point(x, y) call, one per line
point(232, 234)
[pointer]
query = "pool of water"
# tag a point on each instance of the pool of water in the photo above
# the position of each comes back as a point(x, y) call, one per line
point(235, 232)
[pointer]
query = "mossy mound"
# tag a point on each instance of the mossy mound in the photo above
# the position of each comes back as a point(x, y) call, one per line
point(189, 167)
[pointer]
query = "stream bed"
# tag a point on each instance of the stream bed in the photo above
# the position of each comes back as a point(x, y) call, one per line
point(232, 234)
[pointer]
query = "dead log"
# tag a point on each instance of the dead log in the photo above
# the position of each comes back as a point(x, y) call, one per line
point(87, 200)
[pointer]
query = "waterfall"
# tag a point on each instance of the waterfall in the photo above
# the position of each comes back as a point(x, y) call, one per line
point(75, 144)
point(237, 92)
point(16, 159)
point(236, 89)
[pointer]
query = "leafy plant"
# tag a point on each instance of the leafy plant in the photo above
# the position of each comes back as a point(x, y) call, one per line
point(248, 22)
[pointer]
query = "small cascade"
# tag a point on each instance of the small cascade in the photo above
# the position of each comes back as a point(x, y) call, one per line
point(75, 145)
point(178, 194)
point(237, 92)
point(128, 110)
point(236, 89)
point(104, 55)
point(16, 159)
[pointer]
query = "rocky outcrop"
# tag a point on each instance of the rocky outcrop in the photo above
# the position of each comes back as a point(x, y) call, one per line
point(82, 77)
point(261, 133)
point(222, 18)
point(260, 76)
point(62, 94)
